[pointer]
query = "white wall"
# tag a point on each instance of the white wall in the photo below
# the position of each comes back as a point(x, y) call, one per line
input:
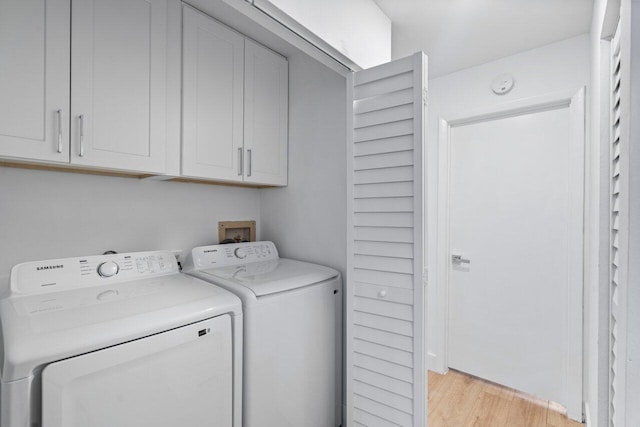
point(557, 67)
point(356, 28)
point(48, 214)
point(307, 219)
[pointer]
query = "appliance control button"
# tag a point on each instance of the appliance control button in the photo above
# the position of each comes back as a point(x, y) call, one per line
point(108, 269)
point(240, 253)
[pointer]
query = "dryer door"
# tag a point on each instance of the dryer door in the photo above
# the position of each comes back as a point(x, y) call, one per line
point(181, 377)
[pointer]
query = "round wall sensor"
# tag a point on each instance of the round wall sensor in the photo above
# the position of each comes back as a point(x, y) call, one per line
point(502, 84)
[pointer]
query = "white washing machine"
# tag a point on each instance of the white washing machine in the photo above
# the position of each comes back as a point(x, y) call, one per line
point(292, 332)
point(118, 340)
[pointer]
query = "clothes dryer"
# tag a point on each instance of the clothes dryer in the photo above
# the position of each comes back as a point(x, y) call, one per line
point(118, 340)
point(292, 332)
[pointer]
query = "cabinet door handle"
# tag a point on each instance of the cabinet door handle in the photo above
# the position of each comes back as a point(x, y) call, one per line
point(81, 119)
point(59, 131)
point(240, 162)
point(249, 162)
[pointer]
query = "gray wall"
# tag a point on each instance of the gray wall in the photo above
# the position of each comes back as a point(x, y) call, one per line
point(307, 219)
point(48, 214)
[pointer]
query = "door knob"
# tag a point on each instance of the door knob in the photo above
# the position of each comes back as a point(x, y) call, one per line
point(457, 259)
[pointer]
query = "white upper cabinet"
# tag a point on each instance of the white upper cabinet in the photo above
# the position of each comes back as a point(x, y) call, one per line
point(34, 79)
point(98, 86)
point(119, 83)
point(212, 98)
point(235, 105)
point(266, 110)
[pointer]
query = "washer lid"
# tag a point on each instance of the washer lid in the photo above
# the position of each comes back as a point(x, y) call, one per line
point(269, 277)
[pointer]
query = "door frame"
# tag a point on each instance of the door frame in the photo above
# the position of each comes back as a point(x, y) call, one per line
point(440, 263)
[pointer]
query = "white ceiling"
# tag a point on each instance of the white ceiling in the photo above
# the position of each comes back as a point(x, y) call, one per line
point(458, 34)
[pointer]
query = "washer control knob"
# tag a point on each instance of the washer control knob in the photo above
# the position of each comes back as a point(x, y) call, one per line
point(240, 253)
point(108, 269)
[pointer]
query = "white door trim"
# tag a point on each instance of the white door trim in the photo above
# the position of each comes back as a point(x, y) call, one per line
point(575, 101)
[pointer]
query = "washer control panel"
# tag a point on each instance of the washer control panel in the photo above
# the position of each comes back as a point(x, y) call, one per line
point(233, 254)
point(72, 273)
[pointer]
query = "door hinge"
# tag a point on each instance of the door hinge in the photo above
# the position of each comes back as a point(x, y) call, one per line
point(424, 96)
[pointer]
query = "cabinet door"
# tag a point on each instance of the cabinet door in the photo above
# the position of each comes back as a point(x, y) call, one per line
point(212, 98)
point(118, 97)
point(266, 109)
point(34, 79)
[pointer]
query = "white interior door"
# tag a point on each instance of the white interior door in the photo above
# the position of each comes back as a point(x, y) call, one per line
point(182, 377)
point(385, 310)
point(516, 187)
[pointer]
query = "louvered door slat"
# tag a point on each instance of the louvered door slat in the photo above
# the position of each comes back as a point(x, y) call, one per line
point(380, 263)
point(387, 115)
point(383, 161)
point(388, 204)
point(384, 367)
point(397, 295)
point(382, 395)
point(383, 278)
point(388, 100)
point(383, 308)
point(383, 352)
point(384, 145)
point(369, 374)
point(385, 189)
point(401, 327)
point(369, 420)
point(380, 409)
point(389, 339)
point(384, 130)
point(390, 70)
point(395, 250)
point(382, 234)
point(384, 86)
point(384, 219)
point(386, 376)
point(378, 176)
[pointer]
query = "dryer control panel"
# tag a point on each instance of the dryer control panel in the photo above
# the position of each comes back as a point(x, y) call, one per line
point(233, 254)
point(72, 273)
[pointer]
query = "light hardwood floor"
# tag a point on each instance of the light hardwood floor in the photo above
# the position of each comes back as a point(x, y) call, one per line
point(460, 400)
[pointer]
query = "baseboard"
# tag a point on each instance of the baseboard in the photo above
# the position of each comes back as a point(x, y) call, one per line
point(587, 415)
point(433, 364)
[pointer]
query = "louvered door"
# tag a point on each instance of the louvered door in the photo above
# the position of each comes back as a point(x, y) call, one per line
point(619, 232)
point(386, 375)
